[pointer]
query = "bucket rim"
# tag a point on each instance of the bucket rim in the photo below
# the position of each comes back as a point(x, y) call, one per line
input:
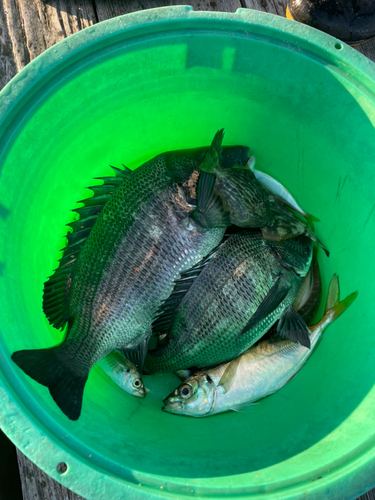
point(16, 419)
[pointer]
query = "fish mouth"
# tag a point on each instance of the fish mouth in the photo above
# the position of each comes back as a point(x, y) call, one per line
point(140, 394)
point(172, 406)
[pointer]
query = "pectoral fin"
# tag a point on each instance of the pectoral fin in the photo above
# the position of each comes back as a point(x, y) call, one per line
point(293, 327)
point(211, 214)
point(272, 300)
point(230, 374)
point(137, 354)
point(205, 190)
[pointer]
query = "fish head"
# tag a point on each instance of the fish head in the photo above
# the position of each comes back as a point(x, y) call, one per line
point(243, 197)
point(285, 223)
point(131, 382)
point(195, 397)
point(232, 156)
point(295, 254)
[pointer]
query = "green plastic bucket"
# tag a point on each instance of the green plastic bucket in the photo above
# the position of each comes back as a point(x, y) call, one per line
point(121, 92)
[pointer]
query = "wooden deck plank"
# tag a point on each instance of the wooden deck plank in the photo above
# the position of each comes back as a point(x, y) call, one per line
point(8, 67)
point(27, 28)
point(107, 9)
point(30, 27)
point(36, 485)
point(272, 6)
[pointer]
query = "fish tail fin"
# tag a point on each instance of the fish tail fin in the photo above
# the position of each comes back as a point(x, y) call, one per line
point(46, 367)
point(311, 219)
point(333, 295)
point(334, 306)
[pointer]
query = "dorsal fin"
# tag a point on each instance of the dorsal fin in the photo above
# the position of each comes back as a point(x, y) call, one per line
point(56, 288)
point(168, 310)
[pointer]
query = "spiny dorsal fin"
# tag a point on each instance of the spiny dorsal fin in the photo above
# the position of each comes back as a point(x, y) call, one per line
point(57, 287)
point(168, 310)
point(213, 156)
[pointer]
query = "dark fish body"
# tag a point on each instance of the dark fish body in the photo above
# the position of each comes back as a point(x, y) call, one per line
point(243, 197)
point(129, 263)
point(307, 301)
point(233, 185)
point(309, 295)
point(257, 373)
point(286, 224)
point(112, 281)
point(244, 288)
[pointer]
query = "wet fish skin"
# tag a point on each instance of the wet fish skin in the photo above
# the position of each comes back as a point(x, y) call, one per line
point(123, 373)
point(287, 225)
point(259, 372)
point(278, 190)
point(142, 240)
point(243, 198)
point(309, 296)
point(216, 309)
point(306, 303)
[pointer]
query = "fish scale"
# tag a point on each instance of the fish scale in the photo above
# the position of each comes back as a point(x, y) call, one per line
point(133, 285)
point(220, 302)
point(257, 373)
point(133, 239)
point(109, 287)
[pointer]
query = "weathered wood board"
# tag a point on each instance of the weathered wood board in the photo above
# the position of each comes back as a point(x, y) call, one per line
point(27, 28)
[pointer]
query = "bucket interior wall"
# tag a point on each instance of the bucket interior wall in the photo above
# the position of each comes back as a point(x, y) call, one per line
point(310, 126)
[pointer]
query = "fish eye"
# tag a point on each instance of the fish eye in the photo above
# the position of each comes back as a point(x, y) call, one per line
point(137, 382)
point(185, 391)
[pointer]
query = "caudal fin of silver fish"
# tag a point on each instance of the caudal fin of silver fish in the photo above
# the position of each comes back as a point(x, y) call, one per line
point(45, 366)
point(334, 308)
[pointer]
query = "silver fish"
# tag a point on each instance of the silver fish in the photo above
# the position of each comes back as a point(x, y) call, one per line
point(123, 373)
point(259, 372)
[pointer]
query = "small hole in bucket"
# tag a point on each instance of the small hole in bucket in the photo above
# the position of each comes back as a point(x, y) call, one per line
point(62, 467)
point(338, 46)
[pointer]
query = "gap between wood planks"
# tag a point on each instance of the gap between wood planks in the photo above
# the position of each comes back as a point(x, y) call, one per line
point(28, 28)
